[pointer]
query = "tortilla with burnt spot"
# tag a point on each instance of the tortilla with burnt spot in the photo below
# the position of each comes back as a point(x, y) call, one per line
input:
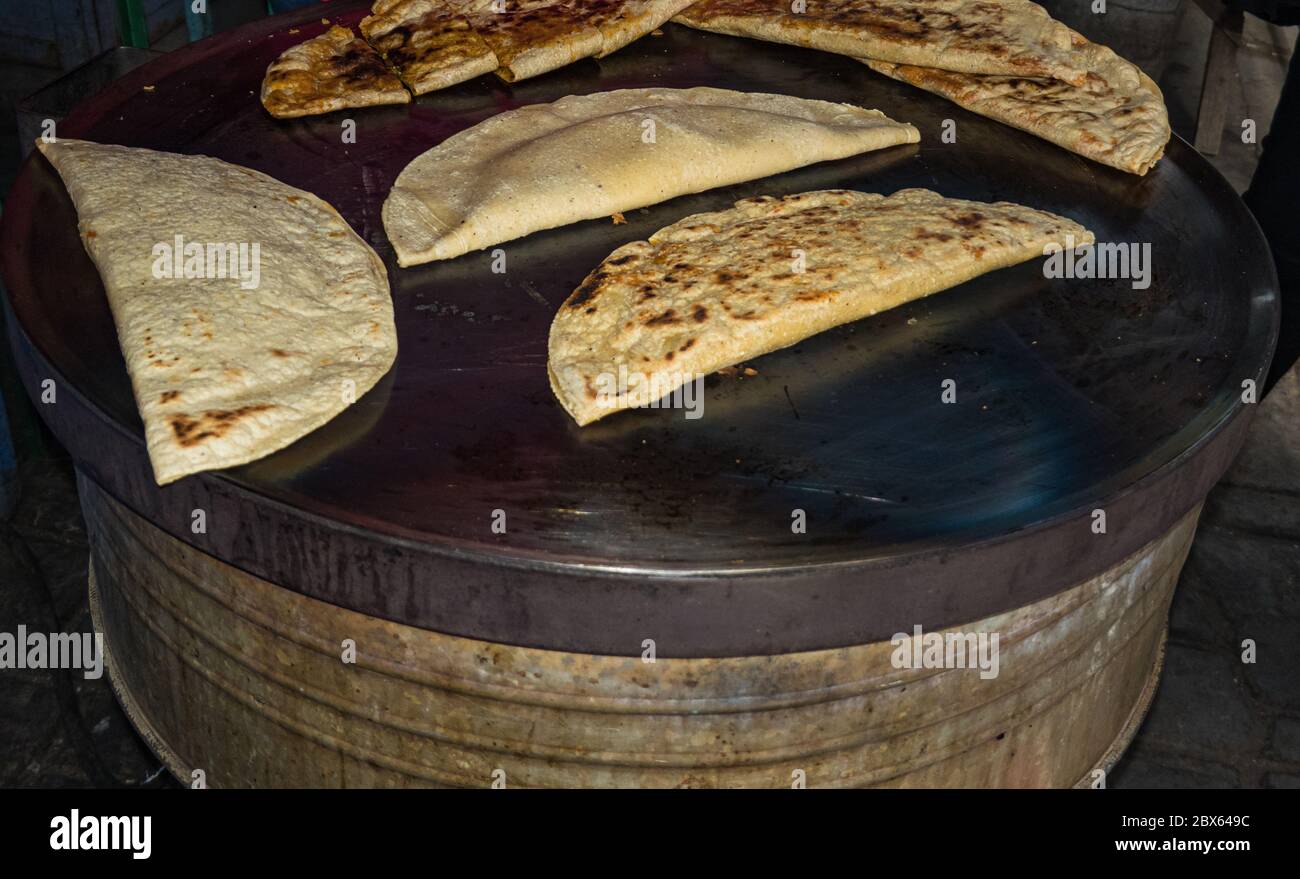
point(531, 37)
point(428, 42)
point(722, 288)
point(330, 72)
point(248, 311)
point(1118, 118)
point(1006, 37)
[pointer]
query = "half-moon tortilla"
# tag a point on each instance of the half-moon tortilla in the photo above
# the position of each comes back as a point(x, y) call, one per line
point(249, 313)
point(589, 156)
point(1007, 37)
point(717, 289)
point(1117, 118)
point(330, 72)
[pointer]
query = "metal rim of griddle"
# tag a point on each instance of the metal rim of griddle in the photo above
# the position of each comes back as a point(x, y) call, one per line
point(609, 606)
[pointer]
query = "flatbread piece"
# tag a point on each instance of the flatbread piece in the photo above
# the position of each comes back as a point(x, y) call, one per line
point(531, 37)
point(716, 289)
point(330, 72)
point(1007, 37)
point(590, 156)
point(1117, 118)
point(428, 43)
point(622, 21)
point(232, 354)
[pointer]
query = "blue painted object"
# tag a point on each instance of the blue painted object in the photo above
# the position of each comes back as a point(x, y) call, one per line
point(222, 15)
point(198, 26)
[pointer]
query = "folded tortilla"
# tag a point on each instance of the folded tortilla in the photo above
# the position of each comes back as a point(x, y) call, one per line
point(589, 156)
point(717, 289)
point(330, 72)
point(1007, 37)
point(531, 37)
point(1009, 61)
point(622, 21)
point(1117, 117)
point(428, 43)
point(249, 313)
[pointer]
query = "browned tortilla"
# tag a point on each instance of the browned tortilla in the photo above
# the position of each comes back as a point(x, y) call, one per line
point(428, 42)
point(721, 288)
point(1118, 118)
point(531, 37)
point(330, 72)
point(1006, 37)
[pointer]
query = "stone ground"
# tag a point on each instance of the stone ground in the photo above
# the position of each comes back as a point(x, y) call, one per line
point(1216, 721)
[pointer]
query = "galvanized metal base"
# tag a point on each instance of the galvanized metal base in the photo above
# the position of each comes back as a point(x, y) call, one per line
point(1126, 735)
point(173, 764)
point(134, 713)
point(234, 676)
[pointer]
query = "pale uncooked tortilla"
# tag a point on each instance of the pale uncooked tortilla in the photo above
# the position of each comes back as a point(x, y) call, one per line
point(589, 156)
point(227, 369)
point(721, 288)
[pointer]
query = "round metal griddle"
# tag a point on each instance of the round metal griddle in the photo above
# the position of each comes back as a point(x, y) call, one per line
point(1072, 395)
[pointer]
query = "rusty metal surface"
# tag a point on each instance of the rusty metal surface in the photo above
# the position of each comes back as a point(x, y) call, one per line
point(234, 676)
point(1072, 394)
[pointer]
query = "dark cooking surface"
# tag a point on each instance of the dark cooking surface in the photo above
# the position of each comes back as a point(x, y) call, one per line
point(1068, 391)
